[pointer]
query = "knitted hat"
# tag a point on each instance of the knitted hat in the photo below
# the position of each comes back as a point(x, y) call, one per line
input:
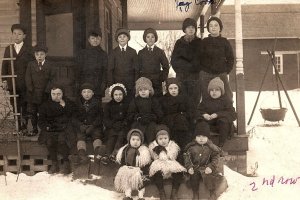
point(216, 83)
point(214, 19)
point(95, 33)
point(37, 48)
point(18, 26)
point(189, 22)
point(202, 131)
point(135, 132)
point(87, 86)
point(143, 82)
point(173, 81)
point(120, 31)
point(162, 129)
point(117, 86)
point(150, 30)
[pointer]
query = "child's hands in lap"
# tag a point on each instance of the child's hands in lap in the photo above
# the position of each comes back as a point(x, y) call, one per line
point(191, 171)
point(208, 170)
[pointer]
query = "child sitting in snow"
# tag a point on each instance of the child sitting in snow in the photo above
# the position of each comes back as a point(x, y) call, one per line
point(164, 152)
point(201, 160)
point(135, 159)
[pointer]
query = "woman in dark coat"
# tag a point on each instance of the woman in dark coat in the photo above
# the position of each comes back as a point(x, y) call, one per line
point(57, 133)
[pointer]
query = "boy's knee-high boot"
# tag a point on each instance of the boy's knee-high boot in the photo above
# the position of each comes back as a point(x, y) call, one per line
point(177, 178)
point(158, 180)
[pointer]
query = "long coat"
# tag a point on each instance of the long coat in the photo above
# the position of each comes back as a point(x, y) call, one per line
point(39, 81)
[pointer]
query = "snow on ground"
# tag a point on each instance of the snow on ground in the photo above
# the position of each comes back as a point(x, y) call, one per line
point(273, 146)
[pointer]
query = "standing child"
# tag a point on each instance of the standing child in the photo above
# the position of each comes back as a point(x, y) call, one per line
point(40, 75)
point(89, 123)
point(115, 113)
point(23, 54)
point(144, 110)
point(151, 60)
point(176, 111)
point(135, 159)
point(93, 64)
point(216, 110)
point(164, 153)
point(201, 160)
point(123, 63)
point(216, 57)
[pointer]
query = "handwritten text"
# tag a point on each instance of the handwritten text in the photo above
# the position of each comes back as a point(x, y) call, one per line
point(272, 181)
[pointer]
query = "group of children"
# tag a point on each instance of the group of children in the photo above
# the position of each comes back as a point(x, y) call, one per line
point(167, 134)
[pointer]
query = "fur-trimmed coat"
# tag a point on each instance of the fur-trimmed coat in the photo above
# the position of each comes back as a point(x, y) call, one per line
point(165, 159)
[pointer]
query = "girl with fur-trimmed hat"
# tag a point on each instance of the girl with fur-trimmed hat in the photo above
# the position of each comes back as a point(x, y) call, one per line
point(177, 114)
point(135, 159)
point(115, 113)
point(151, 60)
point(144, 110)
point(164, 153)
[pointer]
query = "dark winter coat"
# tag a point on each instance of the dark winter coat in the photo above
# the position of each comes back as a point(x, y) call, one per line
point(20, 65)
point(39, 82)
point(216, 55)
point(182, 59)
point(92, 116)
point(93, 63)
point(123, 67)
point(144, 110)
point(221, 106)
point(176, 112)
point(115, 114)
point(150, 64)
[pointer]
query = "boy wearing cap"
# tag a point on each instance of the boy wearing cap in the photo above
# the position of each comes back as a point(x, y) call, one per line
point(144, 111)
point(216, 57)
point(123, 63)
point(151, 60)
point(89, 123)
point(23, 54)
point(93, 63)
point(40, 75)
point(216, 110)
point(182, 61)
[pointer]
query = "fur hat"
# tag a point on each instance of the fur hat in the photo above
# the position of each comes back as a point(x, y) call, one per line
point(214, 19)
point(143, 82)
point(189, 22)
point(95, 33)
point(150, 30)
point(87, 86)
point(173, 80)
point(18, 26)
point(117, 86)
point(216, 83)
point(120, 31)
point(162, 129)
point(136, 132)
point(37, 48)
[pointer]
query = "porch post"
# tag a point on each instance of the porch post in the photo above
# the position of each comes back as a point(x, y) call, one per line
point(240, 84)
point(124, 13)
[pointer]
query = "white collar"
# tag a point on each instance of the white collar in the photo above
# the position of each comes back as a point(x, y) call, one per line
point(19, 45)
point(125, 47)
point(152, 47)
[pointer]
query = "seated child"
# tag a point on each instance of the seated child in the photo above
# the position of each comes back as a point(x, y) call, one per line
point(144, 111)
point(89, 123)
point(164, 153)
point(217, 110)
point(176, 112)
point(201, 160)
point(135, 159)
point(114, 120)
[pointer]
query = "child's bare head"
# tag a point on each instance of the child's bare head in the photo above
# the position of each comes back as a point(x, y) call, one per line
point(18, 33)
point(150, 36)
point(40, 52)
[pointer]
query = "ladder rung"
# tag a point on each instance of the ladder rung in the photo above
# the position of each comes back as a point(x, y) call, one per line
point(16, 113)
point(8, 58)
point(9, 76)
point(12, 95)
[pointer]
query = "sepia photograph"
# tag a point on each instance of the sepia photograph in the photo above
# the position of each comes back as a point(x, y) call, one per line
point(149, 99)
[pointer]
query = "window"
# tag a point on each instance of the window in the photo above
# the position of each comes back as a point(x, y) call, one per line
point(278, 64)
point(108, 29)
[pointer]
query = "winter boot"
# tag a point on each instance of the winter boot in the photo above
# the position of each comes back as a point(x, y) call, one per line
point(54, 168)
point(162, 194)
point(66, 169)
point(84, 159)
point(127, 198)
point(174, 194)
point(195, 195)
point(104, 159)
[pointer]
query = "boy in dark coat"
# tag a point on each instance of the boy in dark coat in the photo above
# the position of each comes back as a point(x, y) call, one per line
point(151, 60)
point(182, 61)
point(115, 113)
point(93, 63)
point(40, 75)
point(57, 132)
point(216, 57)
point(123, 63)
point(201, 159)
point(217, 110)
point(176, 112)
point(23, 54)
point(144, 111)
point(89, 123)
